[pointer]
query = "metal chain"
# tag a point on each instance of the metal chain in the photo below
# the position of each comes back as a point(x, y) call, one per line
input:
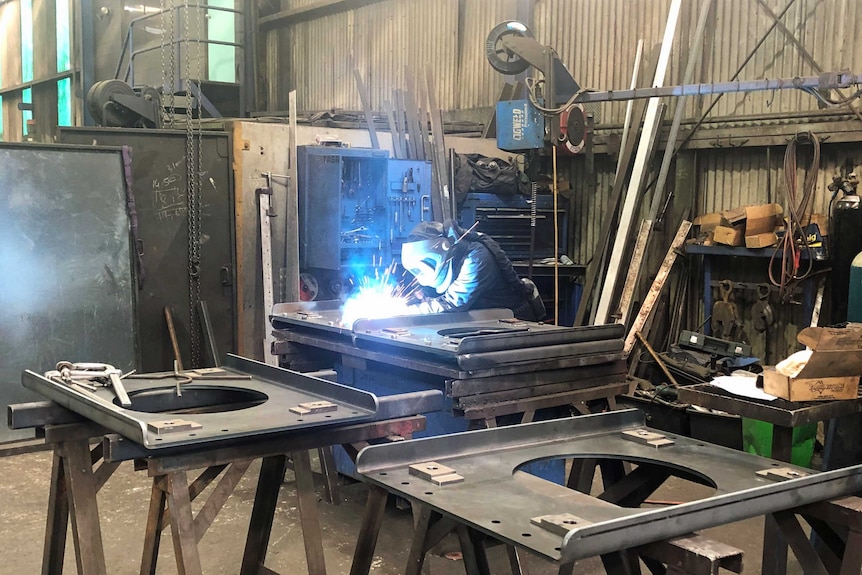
point(162, 45)
point(193, 203)
point(199, 167)
point(172, 68)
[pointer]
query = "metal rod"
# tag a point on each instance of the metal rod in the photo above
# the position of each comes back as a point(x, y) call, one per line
point(824, 81)
point(670, 378)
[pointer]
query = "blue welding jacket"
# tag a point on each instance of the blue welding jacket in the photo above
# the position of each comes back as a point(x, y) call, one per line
point(477, 283)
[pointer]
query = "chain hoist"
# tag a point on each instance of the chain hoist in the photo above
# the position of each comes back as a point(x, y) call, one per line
point(193, 201)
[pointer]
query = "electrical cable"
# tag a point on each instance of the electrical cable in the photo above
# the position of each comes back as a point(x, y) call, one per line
point(531, 83)
point(788, 252)
point(556, 245)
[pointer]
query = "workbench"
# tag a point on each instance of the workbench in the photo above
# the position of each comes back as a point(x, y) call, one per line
point(472, 484)
point(784, 416)
point(86, 455)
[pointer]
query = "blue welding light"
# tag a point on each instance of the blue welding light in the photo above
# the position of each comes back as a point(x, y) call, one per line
point(375, 301)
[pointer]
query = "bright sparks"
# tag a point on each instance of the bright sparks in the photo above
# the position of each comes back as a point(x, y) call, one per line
point(378, 298)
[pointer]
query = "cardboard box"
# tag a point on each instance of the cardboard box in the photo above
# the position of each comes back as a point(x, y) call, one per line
point(708, 222)
point(762, 218)
point(729, 236)
point(809, 388)
point(735, 216)
point(822, 222)
point(832, 372)
point(761, 240)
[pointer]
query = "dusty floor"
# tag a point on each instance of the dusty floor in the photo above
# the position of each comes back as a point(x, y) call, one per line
point(123, 504)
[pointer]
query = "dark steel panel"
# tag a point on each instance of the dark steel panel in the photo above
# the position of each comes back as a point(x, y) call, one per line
point(66, 284)
point(496, 499)
point(281, 389)
point(159, 179)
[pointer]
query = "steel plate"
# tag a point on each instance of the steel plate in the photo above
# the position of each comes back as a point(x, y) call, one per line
point(260, 405)
point(497, 499)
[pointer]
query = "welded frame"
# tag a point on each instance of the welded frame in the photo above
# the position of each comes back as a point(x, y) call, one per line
point(282, 388)
point(496, 499)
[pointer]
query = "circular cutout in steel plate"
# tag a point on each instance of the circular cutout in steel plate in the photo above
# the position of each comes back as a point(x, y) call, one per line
point(195, 399)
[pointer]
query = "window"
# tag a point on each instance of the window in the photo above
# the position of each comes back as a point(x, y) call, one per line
point(64, 102)
point(26, 41)
point(26, 98)
point(64, 58)
point(221, 60)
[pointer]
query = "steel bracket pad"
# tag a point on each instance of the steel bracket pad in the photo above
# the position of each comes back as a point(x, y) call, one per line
point(261, 404)
point(498, 499)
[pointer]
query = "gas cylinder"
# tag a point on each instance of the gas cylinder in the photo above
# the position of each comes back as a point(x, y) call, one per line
point(854, 300)
point(846, 241)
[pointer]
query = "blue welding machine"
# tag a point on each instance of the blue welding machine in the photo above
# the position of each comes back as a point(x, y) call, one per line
point(520, 126)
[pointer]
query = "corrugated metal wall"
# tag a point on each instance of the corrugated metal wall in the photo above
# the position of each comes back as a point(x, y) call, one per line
point(382, 39)
point(595, 38)
point(731, 178)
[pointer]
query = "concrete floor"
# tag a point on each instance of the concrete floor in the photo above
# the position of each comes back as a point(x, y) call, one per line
point(123, 507)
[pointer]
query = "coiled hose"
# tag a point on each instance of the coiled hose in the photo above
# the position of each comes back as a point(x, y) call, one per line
point(785, 263)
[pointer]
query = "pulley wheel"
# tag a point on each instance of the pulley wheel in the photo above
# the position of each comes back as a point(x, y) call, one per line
point(104, 110)
point(576, 129)
point(501, 58)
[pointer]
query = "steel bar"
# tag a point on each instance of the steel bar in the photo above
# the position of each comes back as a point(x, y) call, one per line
point(545, 401)
point(693, 58)
point(495, 501)
point(309, 516)
point(182, 524)
point(86, 530)
point(475, 386)
point(375, 506)
point(646, 146)
point(798, 541)
point(263, 512)
point(58, 519)
point(155, 525)
point(824, 81)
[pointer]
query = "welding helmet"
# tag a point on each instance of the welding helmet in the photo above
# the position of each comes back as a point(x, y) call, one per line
point(427, 254)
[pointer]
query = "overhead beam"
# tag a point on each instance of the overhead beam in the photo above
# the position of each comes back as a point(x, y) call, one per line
point(311, 12)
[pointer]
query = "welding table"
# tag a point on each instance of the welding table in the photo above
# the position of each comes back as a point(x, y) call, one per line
point(473, 485)
point(784, 416)
point(77, 476)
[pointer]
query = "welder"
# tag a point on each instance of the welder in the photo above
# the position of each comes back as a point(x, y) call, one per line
point(465, 270)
